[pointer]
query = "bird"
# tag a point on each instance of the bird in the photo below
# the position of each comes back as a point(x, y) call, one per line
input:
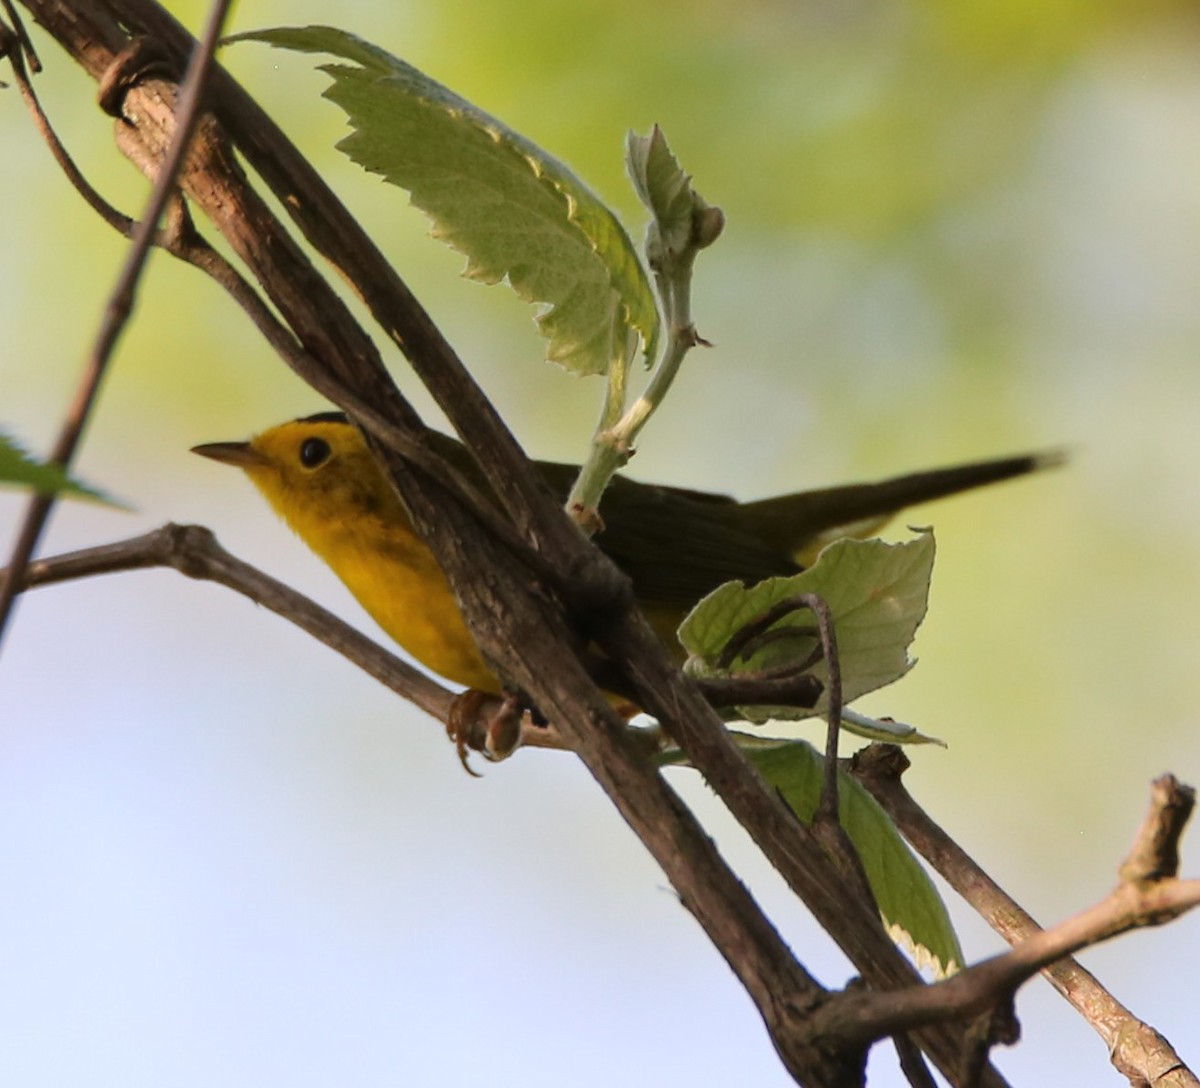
point(676, 545)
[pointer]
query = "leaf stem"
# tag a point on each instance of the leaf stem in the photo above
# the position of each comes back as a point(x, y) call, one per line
point(683, 224)
point(612, 445)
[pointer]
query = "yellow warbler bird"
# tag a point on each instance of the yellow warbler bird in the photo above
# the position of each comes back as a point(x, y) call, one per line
point(676, 545)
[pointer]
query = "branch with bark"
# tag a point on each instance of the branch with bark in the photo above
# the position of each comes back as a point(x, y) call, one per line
point(548, 591)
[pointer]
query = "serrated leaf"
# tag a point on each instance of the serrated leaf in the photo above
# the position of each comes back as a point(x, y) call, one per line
point(662, 186)
point(18, 468)
point(517, 213)
point(910, 904)
point(877, 593)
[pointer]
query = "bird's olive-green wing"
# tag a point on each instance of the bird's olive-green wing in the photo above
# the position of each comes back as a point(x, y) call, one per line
point(677, 545)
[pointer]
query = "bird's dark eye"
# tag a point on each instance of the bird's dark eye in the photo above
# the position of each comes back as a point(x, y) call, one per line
point(314, 452)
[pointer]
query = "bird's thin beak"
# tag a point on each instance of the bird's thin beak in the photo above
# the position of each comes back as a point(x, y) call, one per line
point(241, 454)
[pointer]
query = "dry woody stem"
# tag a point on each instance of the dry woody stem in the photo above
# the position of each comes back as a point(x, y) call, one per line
point(1136, 1049)
point(545, 583)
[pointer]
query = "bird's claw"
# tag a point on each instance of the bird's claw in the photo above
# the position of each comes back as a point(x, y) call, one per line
point(482, 722)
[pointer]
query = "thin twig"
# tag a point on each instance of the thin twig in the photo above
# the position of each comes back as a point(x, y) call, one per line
point(827, 808)
point(22, 34)
point(826, 821)
point(761, 689)
point(120, 222)
point(763, 962)
point(991, 983)
point(751, 636)
point(120, 305)
point(1135, 1047)
point(194, 551)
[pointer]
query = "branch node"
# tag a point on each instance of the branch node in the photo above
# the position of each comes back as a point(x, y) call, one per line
point(996, 1027)
point(187, 549)
point(142, 59)
point(881, 763)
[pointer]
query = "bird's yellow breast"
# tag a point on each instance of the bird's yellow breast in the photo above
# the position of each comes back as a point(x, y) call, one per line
point(396, 579)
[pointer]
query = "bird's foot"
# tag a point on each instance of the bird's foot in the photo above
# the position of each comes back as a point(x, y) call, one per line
point(480, 721)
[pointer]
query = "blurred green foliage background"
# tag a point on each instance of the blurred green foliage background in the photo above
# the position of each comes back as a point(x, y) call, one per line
point(954, 230)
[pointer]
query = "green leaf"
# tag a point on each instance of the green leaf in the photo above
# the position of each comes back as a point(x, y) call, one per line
point(877, 593)
point(18, 468)
point(887, 730)
point(514, 211)
point(683, 222)
point(662, 186)
point(911, 907)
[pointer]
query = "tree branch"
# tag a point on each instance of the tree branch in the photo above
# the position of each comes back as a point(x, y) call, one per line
point(1136, 1049)
point(508, 609)
point(192, 550)
point(504, 611)
point(545, 591)
point(120, 304)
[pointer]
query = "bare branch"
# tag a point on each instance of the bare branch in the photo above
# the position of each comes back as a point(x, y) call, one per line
point(120, 304)
point(528, 626)
point(1137, 1050)
point(193, 550)
point(508, 610)
point(992, 982)
point(15, 48)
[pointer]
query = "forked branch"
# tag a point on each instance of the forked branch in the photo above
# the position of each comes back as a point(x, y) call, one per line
point(1136, 1049)
point(543, 580)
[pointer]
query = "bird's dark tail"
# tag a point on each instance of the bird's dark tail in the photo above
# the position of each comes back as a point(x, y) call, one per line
point(792, 522)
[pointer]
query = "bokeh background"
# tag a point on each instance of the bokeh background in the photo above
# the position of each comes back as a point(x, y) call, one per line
point(955, 230)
